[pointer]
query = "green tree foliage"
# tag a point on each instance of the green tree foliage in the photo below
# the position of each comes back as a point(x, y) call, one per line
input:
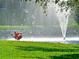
point(64, 5)
point(70, 3)
point(74, 4)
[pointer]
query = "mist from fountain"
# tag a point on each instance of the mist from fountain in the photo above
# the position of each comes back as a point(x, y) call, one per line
point(62, 17)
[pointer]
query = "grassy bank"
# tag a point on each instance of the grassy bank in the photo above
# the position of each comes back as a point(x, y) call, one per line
point(37, 50)
point(6, 27)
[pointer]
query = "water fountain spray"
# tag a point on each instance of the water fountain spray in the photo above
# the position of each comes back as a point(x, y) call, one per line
point(63, 16)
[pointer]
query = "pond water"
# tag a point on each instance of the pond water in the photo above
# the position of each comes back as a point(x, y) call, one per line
point(4, 34)
point(34, 32)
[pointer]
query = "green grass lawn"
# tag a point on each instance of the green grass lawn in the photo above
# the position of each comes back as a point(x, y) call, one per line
point(38, 50)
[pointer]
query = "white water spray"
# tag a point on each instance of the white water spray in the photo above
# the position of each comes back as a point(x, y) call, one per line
point(62, 16)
